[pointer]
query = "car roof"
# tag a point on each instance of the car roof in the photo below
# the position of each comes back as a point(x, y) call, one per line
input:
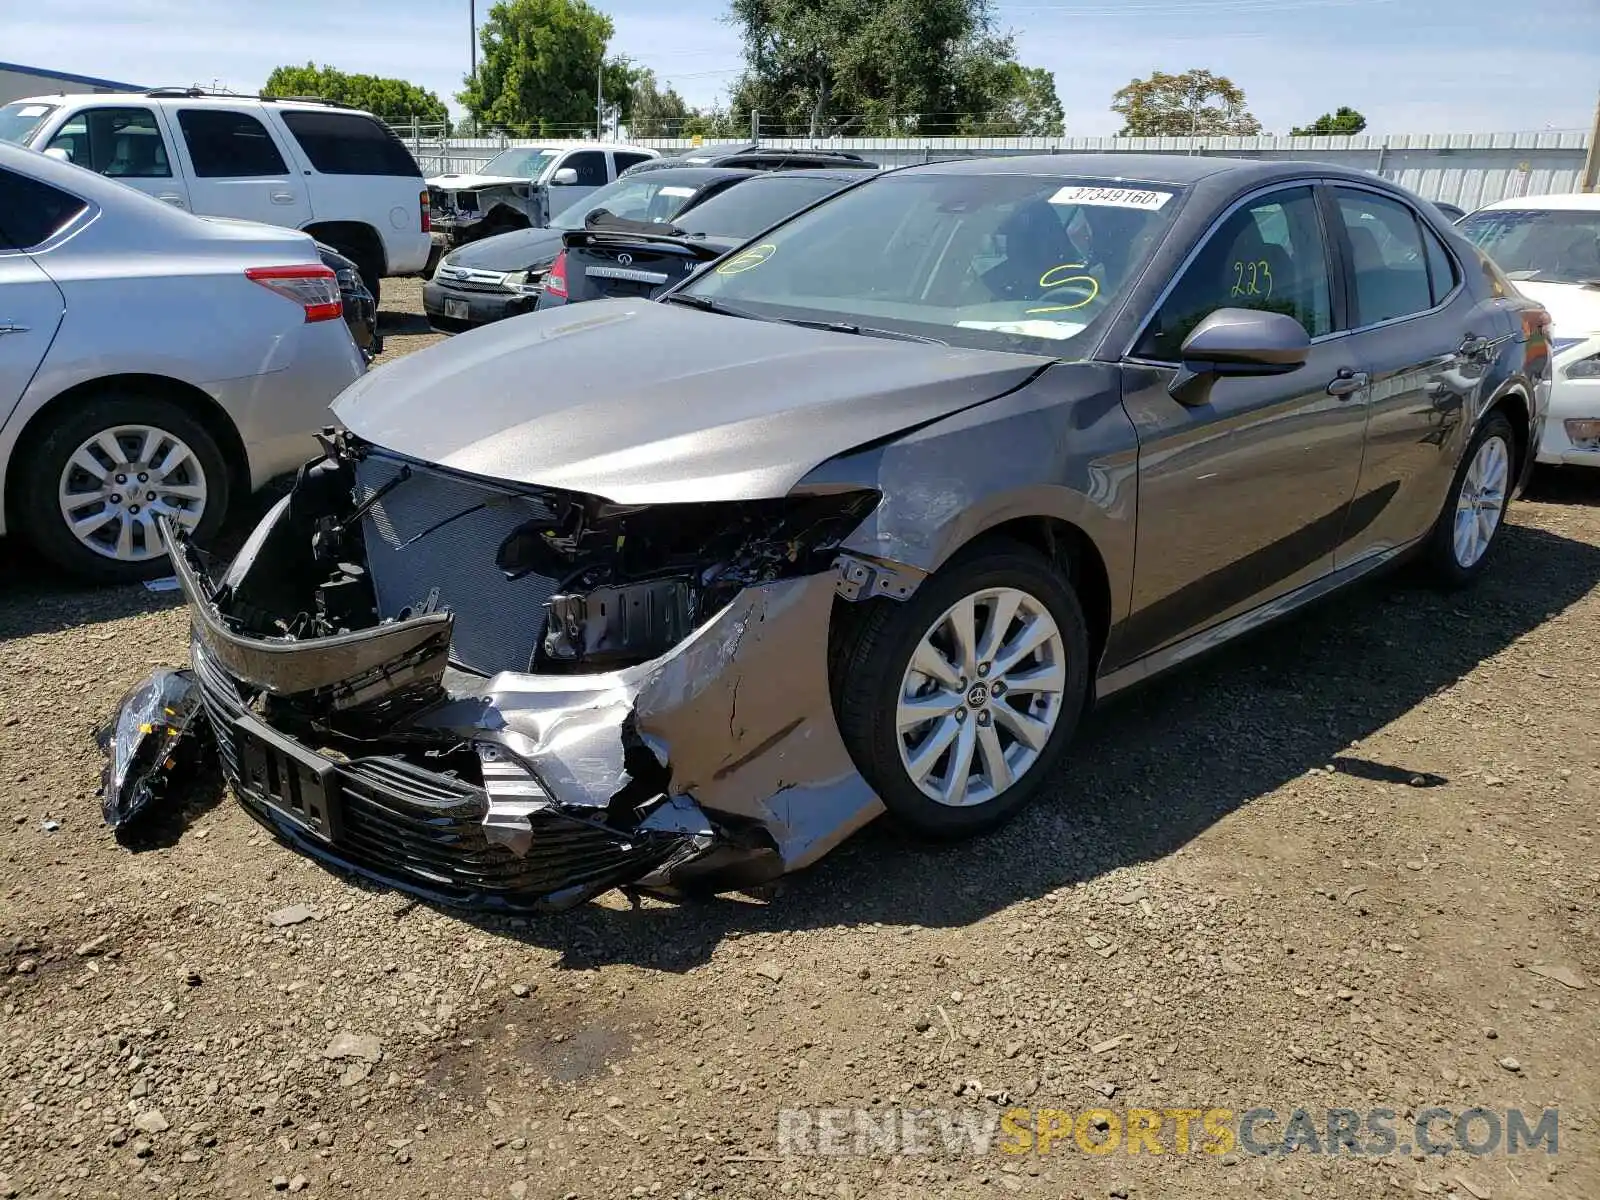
point(846, 175)
point(697, 175)
point(538, 147)
point(1176, 170)
point(96, 99)
point(1566, 201)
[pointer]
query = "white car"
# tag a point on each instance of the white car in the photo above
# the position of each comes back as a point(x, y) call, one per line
point(151, 362)
point(337, 173)
point(524, 187)
point(1549, 246)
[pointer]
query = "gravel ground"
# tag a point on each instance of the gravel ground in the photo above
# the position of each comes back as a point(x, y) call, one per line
point(1349, 863)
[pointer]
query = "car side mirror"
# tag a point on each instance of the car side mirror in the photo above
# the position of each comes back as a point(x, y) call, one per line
point(1235, 342)
point(60, 154)
point(565, 177)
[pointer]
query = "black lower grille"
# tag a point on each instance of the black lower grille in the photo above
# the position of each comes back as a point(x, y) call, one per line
point(423, 830)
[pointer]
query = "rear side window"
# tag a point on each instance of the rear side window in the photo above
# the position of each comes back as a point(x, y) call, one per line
point(229, 145)
point(1387, 257)
point(350, 144)
point(624, 161)
point(1442, 276)
point(756, 204)
point(31, 212)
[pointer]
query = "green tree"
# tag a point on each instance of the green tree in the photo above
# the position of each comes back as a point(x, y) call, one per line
point(391, 99)
point(884, 66)
point(538, 67)
point(647, 109)
point(1193, 104)
point(1344, 122)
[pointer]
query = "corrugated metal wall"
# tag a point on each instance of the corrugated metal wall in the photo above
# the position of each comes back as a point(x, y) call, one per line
point(1468, 169)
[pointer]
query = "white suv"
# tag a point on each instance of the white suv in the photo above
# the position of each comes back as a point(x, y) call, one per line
point(337, 173)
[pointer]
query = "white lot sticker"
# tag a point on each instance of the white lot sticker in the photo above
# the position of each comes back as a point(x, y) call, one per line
point(1109, 197)
point(677, 191)
point(1055, 330)
point(33, 110)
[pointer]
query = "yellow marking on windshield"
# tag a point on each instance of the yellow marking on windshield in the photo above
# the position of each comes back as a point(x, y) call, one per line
point(749, 260)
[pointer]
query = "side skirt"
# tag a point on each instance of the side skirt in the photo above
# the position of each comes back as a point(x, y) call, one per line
point(1163, 660)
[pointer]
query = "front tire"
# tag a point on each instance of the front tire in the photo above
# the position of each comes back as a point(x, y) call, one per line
point(92, 486)
point(958, 703)
point(1463, 539)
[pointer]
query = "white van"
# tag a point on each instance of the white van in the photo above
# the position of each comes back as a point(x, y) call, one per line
point(338, 173)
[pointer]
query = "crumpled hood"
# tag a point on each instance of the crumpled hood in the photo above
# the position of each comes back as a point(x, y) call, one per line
point(1574, 309)
point(458, 183)
point(645, 403)
point(515, 251)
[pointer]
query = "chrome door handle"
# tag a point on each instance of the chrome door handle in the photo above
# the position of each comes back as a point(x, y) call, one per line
point(283, 197)
point(1348, 383)
point(11, 327)
point(171, 198)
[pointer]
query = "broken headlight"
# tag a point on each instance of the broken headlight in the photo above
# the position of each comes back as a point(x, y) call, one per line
point(633, 582)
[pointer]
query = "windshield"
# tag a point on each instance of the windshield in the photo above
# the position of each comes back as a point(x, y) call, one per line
point(1542, 245)
point(746, 209)
point(634, 199)
point(1009, 262)
point(519, 164)
point(18, 121)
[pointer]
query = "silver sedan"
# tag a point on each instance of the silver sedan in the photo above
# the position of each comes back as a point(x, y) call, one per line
point(151, 362)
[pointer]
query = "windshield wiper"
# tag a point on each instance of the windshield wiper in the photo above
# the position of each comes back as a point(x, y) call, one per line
point(707, 304)
point(893, 335)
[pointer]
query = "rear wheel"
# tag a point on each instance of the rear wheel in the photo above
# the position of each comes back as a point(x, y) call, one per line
point(1468, 528)
point(94, 484)
point(957, 704)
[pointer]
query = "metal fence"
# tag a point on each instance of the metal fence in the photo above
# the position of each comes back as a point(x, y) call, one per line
point(1467, 169)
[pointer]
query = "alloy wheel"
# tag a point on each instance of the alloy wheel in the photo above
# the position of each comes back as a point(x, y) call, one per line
point(118, 481)
point(1482, 501)
point(981, 696)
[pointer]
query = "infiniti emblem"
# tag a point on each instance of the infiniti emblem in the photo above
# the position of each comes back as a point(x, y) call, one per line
point(625, 259)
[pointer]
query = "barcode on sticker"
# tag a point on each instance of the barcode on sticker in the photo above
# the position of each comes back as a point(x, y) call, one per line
point(1111, 197)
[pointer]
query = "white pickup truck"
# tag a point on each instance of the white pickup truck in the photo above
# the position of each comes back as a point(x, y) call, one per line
point(337, 173)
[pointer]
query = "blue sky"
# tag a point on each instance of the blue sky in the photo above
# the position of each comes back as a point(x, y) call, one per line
point(1411, 66)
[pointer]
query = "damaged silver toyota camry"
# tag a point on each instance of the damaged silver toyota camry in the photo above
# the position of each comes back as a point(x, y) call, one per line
point(676, 595)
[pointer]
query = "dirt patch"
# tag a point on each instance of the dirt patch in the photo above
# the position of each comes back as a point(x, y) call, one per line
point(1350, 863)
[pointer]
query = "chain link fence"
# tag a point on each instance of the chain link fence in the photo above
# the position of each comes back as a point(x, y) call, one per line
point(1467, 169)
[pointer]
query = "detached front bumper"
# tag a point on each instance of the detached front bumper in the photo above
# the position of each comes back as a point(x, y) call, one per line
point(716, 765)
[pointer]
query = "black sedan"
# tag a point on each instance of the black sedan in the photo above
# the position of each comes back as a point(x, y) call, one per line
point(502, 276)
point(360, 308)
point(619, 258)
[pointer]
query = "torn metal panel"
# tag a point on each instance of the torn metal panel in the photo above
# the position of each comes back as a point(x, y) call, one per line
point(355, 666)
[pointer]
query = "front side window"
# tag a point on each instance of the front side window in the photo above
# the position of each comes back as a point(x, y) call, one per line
point(1387, 257)
point(350, 144)
point(590, 166)
point(229, 145)
point(18, 121)
point(124, 143)
point(1269, 254)
point(1007, 262)
point(1539, 245)
point(31, 212)
point(519, 164)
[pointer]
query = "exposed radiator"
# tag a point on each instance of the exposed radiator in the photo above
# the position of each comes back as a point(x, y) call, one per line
point(498, 623)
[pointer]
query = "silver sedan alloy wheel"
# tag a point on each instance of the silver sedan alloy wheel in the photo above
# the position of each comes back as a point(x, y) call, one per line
point(117, 483)
point(1482, 501)
point(981, 696)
